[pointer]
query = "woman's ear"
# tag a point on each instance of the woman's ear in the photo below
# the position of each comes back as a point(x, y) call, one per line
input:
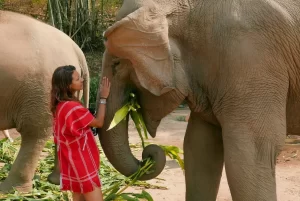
point(142, 38)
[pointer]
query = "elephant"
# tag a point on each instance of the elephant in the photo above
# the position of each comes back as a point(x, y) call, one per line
point(30, 52)
point(236, 64)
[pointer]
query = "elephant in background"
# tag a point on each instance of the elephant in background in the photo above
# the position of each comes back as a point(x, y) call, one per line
point(30, 52)
point(236, 63)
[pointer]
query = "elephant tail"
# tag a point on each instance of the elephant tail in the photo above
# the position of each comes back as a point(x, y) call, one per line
point(85, 74)
point(86, 83)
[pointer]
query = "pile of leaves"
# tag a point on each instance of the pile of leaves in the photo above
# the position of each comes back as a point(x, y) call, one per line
point(114, 184)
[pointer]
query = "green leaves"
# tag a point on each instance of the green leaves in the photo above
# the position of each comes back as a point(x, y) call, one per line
point(135, 196)
point(119, 116)
point(8, 150)
point(115, 193)
point(138, 121)
point(114, 184)
point(133, 108)
point(173, 152)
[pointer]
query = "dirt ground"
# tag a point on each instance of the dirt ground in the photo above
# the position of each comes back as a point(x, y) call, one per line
point(171, 132)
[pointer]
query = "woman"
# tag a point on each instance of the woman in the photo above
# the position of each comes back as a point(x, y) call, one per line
point(77, 150)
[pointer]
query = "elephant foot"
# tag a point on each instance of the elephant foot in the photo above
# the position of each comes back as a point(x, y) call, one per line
point(8, 187)
point(54, 178)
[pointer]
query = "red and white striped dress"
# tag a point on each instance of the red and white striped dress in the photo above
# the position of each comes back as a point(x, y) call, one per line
point(77, 150)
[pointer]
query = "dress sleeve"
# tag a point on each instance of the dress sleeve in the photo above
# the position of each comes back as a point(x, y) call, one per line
point(77, 118)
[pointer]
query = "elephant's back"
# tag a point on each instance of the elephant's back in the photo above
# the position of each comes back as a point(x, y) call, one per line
point(31, 49)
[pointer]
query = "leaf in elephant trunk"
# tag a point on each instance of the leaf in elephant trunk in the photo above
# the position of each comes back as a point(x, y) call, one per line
point(119, 116)
point(139, 119)
point(143, 125)
point(136, 119)
point(133, 107)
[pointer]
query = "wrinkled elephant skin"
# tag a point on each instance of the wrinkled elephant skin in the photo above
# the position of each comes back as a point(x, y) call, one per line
point(236, 63)
point(30, 52)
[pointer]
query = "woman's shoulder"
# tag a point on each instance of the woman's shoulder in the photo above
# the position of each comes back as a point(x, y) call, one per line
point(68, 105)
point(74, 103)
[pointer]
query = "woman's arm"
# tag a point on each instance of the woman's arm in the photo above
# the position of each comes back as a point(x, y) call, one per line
point(104, 92)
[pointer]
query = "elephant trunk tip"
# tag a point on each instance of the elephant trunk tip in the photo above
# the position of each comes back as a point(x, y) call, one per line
point(157, 155)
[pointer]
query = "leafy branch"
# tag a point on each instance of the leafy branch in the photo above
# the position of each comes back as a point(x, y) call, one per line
point(133, 108)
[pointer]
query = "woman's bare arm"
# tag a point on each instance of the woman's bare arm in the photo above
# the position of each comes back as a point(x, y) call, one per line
point(104, 92)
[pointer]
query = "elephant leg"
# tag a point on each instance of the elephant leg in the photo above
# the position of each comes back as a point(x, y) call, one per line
point(203, 158)
point(22, 171)
point(250, 161)
point(252, 138)
point(54, 177)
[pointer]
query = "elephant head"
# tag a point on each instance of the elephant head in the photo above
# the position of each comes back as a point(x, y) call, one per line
point(141, 56)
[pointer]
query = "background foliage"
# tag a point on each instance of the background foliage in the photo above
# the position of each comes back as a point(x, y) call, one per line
point(83, 20)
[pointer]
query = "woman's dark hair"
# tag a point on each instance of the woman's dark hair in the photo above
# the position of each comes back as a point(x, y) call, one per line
point(61, 80)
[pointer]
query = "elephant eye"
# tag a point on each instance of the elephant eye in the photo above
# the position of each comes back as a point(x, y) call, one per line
point(114, 65)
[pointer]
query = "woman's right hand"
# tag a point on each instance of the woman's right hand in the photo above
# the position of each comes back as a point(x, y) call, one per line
point(104, 88)
point(104, 93)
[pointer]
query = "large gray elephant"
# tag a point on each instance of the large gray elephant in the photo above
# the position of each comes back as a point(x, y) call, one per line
point(30, 52)
point(236, 63)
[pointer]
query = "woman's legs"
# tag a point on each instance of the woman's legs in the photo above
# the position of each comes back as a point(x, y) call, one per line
point(78, 197)
point(95, 195)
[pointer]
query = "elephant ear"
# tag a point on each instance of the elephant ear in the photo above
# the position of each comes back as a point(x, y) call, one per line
point(142, 38)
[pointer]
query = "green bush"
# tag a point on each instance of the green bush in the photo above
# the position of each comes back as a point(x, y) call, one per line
point(94, 82)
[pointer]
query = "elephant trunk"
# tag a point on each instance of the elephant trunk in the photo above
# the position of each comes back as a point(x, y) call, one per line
point(115, 142)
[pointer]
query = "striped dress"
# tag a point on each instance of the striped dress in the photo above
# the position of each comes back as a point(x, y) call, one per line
point(77, 150)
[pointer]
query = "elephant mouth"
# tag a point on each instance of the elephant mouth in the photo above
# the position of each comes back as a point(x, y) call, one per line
point(151, 125)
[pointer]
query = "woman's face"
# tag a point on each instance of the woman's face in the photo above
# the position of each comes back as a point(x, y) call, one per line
point(77, 82)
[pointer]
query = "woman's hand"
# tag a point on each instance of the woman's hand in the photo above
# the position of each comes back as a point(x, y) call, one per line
point(105, 88)
point(104, 93)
